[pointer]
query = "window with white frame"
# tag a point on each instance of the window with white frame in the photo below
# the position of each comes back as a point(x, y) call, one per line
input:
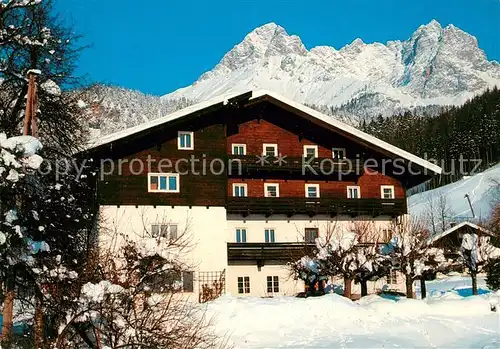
point(164, 230)
point(239, 149)
point(310, 151)
point(239, 189)
point(185, 140)
point(387, 191)
point(175, 281)
point(271, 190)
point(273, 284)
point(312, 190)
point(269, 235)
point(338, 153)
point(241, 235)
point(353, 192)
point(270, 149)
point(163, 183)
point(243, 284)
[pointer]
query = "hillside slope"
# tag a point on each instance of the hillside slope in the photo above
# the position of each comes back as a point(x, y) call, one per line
point(480, 187)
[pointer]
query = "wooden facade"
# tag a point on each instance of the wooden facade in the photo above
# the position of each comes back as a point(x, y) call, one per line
point(252, 124)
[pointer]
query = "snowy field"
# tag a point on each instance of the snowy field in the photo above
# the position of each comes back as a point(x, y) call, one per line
point(444, 320)
point(479, 187)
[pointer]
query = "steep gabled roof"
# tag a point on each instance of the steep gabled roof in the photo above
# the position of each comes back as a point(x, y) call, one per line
point(325, 120)
point(469, 225)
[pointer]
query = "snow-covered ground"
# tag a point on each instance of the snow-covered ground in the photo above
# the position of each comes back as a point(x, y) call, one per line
point(444, 320)
point(480, 190)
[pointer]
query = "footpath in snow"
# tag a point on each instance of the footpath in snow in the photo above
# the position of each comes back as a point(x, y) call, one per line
point(444, 320)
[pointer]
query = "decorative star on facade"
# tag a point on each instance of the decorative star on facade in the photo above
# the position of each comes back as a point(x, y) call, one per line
point(262, 160)
point(281, 160)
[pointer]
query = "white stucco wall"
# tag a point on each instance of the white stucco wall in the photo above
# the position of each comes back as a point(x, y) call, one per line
point(258, 280)
point(292, 229)
point(205, 229)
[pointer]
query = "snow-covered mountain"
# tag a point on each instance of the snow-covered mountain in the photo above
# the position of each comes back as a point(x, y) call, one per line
point(111, 109)
point(435, 66)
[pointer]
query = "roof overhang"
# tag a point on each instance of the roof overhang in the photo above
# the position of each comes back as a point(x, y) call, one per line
point(464, 225)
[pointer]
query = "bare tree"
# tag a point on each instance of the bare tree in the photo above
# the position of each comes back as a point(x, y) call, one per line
point(410, 252)
point(136, 299)
point(439, 212)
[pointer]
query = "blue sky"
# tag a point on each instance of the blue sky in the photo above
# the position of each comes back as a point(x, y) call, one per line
point(157, 46)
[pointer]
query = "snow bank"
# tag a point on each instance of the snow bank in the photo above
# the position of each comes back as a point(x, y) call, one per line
point(332, 321)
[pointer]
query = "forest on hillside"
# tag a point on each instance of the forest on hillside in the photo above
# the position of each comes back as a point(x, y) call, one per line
point(470, 131)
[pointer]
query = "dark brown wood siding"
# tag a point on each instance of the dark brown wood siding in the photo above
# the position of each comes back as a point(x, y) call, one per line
point(129, 186)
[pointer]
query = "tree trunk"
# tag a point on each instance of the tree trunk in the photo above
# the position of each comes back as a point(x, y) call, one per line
point(409, 286)
point(8, 312)
point(347, 287)
point(423, 289)
point(364, 287)
point(39, 342)
point(474, 282)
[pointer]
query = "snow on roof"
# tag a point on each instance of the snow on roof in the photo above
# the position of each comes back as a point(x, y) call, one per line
point(439, 236)
point(259, 94)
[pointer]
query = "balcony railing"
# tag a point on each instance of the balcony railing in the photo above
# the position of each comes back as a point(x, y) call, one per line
point(282, 252)
point(314, 206)
point(254, 163)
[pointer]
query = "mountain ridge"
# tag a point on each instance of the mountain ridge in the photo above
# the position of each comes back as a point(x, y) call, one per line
point(435, 66)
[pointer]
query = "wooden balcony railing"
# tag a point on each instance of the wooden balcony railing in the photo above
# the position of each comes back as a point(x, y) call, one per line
point(282, 252)
point(252, 163)
point(314, 206)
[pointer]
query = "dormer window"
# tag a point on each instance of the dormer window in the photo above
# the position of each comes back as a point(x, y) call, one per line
point(338, 153)
point(239, 149)
point(185, 140)
point(163, 183)
point(270, 150)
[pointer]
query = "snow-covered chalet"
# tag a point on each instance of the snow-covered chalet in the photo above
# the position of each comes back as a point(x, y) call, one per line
point(252, 178)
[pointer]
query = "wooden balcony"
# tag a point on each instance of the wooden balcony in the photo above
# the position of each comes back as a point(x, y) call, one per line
point(260, 253)
point(314, 206)
point(252, 164)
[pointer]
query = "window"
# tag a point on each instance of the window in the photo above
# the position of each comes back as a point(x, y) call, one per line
point(168, 231)
point(386, 235)
point(241, 235)
point(273, 284)
point(185, 140)
point(187, 281)
point(269, 235)
point(387, 192)
point(239, 189)
point(239, 149)
point(311, 234)
point(164, 183)
point(353, 192)
point(270, 149)
point(312, 190)
point(392, 277)
point(243, 284)
point(171, 281)
point(338, 153)
point(310, 151)
point(271, 190)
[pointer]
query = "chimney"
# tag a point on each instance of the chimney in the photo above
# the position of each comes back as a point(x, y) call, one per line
point(30, 125)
